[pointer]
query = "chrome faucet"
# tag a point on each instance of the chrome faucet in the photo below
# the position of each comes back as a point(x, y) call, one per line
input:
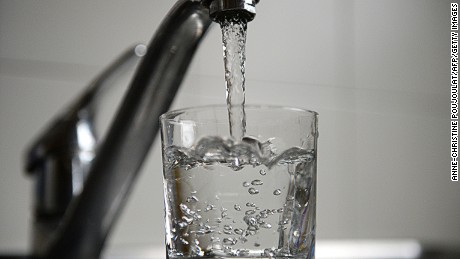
point(82, 185)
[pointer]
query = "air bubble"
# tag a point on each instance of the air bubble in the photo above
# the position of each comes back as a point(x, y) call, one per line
point(199, 232)
point(228, 227)
point(223, 212)
point(257, 182)
point(283, 222)
point(250, 212)
point(182, 224)
point(187, 220)
point(229, 241)
point(250, 221)
point(269, 252)
point(238, 231)
point(253, 191)
point(252, 231)
point(192, 198)
point(242, 252)
point(266, 225)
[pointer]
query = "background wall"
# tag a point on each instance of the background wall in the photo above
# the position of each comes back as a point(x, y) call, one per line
point(376, 71)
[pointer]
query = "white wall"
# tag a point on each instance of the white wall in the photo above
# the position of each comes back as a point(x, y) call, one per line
point(376, 71)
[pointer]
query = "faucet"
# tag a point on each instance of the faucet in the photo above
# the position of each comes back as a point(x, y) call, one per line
point(82, 185)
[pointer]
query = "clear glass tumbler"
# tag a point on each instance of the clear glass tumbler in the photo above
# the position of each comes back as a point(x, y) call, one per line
point(253, 197)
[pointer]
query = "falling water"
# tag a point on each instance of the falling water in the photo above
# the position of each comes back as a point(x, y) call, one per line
point(234, 41)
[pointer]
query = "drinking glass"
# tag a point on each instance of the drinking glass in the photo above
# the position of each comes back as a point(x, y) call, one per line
point(253, 197)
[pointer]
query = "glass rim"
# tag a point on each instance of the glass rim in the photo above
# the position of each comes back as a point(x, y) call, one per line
point(170, 115)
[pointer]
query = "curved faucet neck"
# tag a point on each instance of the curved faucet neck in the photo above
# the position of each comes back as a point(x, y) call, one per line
point(92, 214)
point(89, 216)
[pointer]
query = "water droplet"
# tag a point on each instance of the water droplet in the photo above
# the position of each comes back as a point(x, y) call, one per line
point(246, 184)
point(257, 182)
point(277, 192)
point(253, 191)
point(237, 207)
point(262, 172)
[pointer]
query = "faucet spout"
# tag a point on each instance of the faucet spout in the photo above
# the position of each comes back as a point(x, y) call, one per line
point(220, 9)
point(90, 215)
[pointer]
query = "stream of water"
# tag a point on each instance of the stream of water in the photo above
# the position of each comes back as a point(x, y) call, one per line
point(234, 42)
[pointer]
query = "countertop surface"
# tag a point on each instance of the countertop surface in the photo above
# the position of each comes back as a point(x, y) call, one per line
point(325, 249)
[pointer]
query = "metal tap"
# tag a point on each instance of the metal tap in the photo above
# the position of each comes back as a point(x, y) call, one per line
point(220, 9)
point(78, 202)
